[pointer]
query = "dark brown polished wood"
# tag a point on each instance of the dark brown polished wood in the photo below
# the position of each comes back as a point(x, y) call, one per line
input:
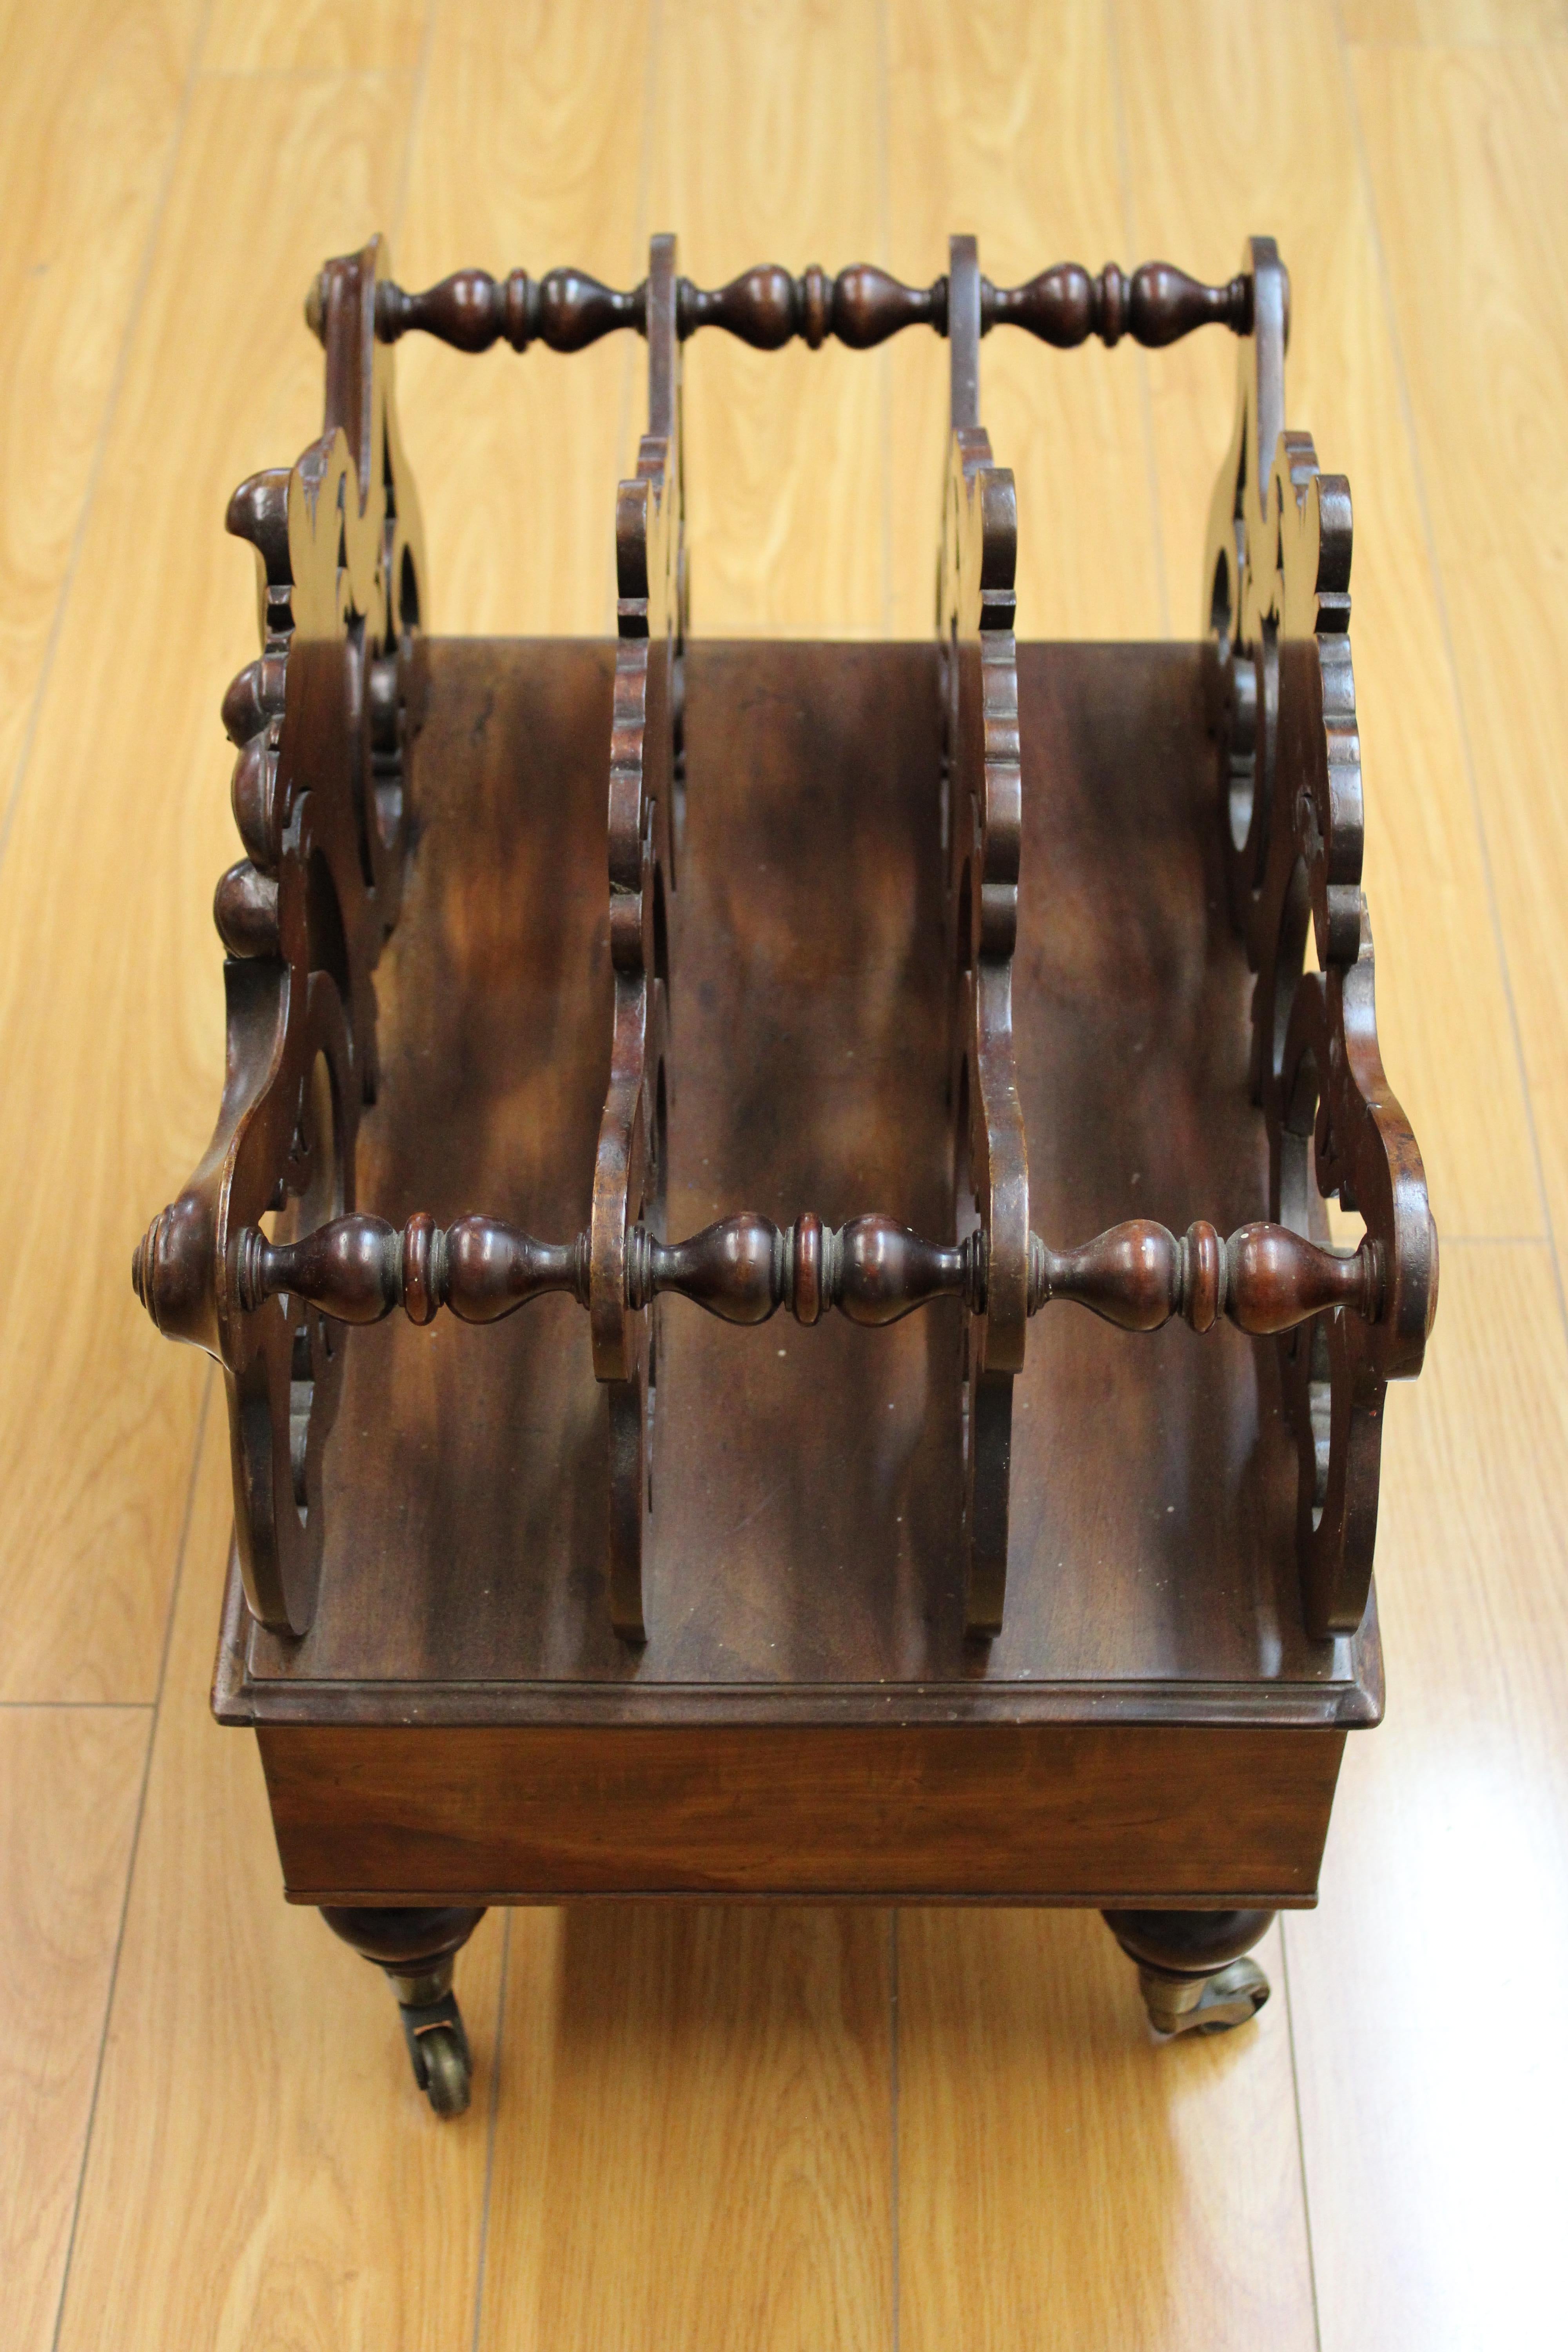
point(1152, 1667)
point(766, 307)
point(645, 779)
point(1138, 1275)
point(1280, 702)
point(1282, 707)
point(939, 1614)
point(322, 719)
point(417, 1947)
point(494, 1050)
point(1192, 1966)
point(1188, 1943)
point(409, 1941)
point(1077, 1813)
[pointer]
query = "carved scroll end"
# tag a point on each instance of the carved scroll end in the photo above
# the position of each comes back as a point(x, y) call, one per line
point(245, 910)
point(258, 512)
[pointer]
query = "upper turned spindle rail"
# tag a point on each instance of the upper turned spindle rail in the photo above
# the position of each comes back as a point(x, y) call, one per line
point(766, 307)
point(1138, 1275)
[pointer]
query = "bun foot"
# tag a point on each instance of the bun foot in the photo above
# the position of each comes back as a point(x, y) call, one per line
point(1204, 2004)
point(1192, 1967)
point(417, 1952)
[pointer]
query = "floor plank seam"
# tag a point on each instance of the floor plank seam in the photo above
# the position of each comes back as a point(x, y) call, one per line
point(1301, 2135)
point(78, 1706)
point(95, 468)
point(893, 2104)
point(490, 2131)
point(135, 1848)
point(1478, 812)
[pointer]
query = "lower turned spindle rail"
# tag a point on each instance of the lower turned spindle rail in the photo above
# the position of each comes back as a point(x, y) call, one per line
point(1138, 1275)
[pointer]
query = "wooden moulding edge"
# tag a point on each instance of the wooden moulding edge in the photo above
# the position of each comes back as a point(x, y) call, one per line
point(435, 1706)
point(528, 1899)
point(239, 1700)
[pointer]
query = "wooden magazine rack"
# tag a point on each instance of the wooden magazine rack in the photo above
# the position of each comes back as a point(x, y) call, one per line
point(979, 947)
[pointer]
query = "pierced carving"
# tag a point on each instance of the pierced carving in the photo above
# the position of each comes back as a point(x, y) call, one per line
point(1277, 600)
point(322, 720)
point(629, 1169)
point(983, 827)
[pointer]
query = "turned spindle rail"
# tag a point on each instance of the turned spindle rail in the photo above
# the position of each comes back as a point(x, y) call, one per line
point(1138, 1275)
point(767, 306)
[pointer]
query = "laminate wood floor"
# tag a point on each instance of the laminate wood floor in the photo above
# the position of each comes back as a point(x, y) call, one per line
point(793, 2127)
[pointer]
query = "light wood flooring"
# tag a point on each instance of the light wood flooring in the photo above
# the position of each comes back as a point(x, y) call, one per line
point(769, 2128)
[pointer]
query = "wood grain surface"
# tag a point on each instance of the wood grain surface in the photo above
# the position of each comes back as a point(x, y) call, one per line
point(90, 121)
point(713, 2128)
point(1431, 2089)
point(1054, 2187)
point(1452, 142)
point(1005, 123)
point(450, 1558)
point(1273, 91)
point(789, 467)
point(1104, 1815)
point(70, 1786)
point(1525, 24)
point(260, 2145)
point(324, 36)
point(695, 2140)
point(529, 148)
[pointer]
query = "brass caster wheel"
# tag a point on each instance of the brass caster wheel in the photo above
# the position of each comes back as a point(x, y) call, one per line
point(416, 1947)
point(438, 2052)
point(442, 2066)
point(1217, 2004)
point(438, 2046)
point(1192, 1968)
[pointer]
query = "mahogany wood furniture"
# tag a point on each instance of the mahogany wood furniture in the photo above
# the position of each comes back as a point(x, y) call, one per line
point(881, 974)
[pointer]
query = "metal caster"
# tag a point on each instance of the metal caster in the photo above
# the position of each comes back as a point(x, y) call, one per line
point(1193, 1971)
point(416, 1950)
point(438, 2046)
point(1215, 2004)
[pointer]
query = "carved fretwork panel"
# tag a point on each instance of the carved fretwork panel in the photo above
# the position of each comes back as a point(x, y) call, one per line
point(983, 818)
point(322, 719)
point(645, 756)
point(1277, 589)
